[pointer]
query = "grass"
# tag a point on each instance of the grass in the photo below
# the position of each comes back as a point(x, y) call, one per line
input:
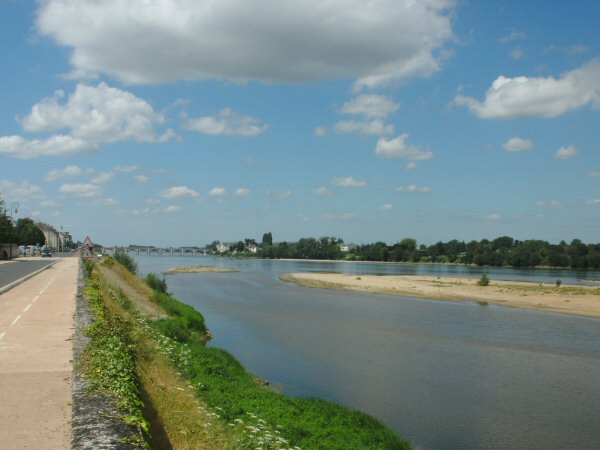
point(204, 398)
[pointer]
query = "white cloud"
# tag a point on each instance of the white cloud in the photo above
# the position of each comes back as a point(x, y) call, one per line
point(398, 148)
point(413, 188)
point(551, 204)
point(58, 145)
point(386, 207)
point(566, 152)
point(370, 106)
point(517, 144)
point(217, 192)
point(138, 41)
point(97, 114)
point(141, 178)
point(372, 127)
point(593, 174)
point(126, 168)
point(348, 182)
point(18, 191)
point(517, 53)
point(280, 194)
point(178, 191)
point(227, 123)
point(69, 171)
point(322, 191)
point(493, 218)
point(242, 192)
point(594, 202)
point(103, 177)
point(105, 202)
point(410, 165)
point(320, 131)
point(153, 201)
point(514, 35)
point(85, 190)
point(172, 209)
point(538, 97)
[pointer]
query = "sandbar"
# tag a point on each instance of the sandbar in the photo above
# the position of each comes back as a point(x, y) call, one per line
point(568, 299)
point(199, 269)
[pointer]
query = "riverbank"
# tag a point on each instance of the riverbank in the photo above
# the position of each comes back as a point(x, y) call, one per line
point(199, 269)
point(568, 299)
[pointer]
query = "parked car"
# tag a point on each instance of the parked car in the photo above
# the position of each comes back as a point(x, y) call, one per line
point(46, 252)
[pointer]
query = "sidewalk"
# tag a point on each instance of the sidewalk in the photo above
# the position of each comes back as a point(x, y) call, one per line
point(36, 328)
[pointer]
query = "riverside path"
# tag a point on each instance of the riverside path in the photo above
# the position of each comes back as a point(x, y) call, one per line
point(36, 329)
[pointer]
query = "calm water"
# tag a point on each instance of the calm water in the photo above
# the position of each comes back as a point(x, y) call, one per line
point(443, 375)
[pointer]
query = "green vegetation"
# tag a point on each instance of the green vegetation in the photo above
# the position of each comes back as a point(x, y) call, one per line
point(156, 283)
point(558, 283)
point(127, 261)
point(237, 408)
point(28, 233)
point(484, 280)
point(109, 362)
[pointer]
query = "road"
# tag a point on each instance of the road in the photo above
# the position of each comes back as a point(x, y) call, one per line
point(15, 270)
point(36, 328)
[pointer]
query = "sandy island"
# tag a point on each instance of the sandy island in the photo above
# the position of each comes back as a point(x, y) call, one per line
point(569, 299)
point(198, 269)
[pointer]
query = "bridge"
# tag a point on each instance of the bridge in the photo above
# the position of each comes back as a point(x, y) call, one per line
point(170, 251)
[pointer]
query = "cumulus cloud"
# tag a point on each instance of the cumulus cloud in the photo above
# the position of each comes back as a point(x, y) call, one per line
point(227, 123)
point(217, 192)
point(370, 106)
point(141, 178)
point(103, 177)
point(242, 192)
point(538, 97)
point(322, 191)
point(178, 192)
point(105, 202)
point(320, 131)
point(126, 168)
point(398, 148)
point(93, 115)
point(595, 202)
point(593, 174)
point(84, 190)
point(517, 144)
point(373, 127)
point(493, 218)
point(22, 190)
point(59, 145)
point(348, 182)
point(172, 209)
point(386, 207)
point(69, 171)
point(567, 152)
point(413, 188)
point(97, 114)
point(280, 194)
point(374, 42)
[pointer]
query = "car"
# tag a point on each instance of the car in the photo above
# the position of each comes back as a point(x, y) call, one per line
point(46, 252)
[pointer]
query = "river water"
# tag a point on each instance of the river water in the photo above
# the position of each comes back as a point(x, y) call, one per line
point(443, 375)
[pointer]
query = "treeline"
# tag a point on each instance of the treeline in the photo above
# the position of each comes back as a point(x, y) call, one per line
point(503, 251)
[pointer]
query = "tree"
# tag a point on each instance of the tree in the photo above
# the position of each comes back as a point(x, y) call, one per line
point(28, 233)
point(267, 239)
point(7, 230)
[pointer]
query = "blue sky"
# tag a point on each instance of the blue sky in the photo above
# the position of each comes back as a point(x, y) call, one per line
point(183, 122)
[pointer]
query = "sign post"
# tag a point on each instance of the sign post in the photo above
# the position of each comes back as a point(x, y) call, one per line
point(87, 248)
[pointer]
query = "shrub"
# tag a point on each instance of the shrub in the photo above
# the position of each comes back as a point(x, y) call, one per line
point(484, 280)
point(558, 283)
point(127, 261)
point(156, 283)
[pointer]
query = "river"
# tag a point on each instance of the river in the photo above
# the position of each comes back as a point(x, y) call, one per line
point(443, 375)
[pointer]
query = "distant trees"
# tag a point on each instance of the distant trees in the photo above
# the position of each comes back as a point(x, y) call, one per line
point(28, 233)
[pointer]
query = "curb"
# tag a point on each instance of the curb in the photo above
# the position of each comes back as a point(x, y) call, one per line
point(9, 286)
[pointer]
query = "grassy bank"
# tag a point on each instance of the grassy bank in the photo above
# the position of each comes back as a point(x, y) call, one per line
point(203, 398)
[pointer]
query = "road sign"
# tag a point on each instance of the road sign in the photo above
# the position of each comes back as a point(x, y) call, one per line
point(87, 253)
point(88, 243)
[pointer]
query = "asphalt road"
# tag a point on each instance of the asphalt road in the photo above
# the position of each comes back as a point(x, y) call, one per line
point(16, 270)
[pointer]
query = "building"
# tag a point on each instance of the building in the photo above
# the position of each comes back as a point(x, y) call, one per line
point(51, 235)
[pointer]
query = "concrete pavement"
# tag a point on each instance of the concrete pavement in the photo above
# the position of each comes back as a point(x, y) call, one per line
point(36, 331)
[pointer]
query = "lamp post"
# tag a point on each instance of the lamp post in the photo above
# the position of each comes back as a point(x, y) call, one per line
point(14, 206)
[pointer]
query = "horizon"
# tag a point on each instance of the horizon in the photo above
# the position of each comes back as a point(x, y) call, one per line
point(439, 121)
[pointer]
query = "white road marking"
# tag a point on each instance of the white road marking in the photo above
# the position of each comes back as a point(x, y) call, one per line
point(16, 320)
point(2, 335)
point(35, 298)
point(26, 308)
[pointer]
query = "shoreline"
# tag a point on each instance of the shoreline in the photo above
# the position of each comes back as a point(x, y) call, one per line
point(567, 299)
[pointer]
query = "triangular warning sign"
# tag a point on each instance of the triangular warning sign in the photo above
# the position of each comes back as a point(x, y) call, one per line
point(87, 253)
point(88, 243)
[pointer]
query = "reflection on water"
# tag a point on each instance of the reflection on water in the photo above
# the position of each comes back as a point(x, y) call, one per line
point(442, 374)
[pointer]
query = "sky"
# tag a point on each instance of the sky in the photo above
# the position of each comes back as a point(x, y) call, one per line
point(181, 122)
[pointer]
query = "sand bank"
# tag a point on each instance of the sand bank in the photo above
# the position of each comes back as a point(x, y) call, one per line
point(198, 269)
point(579, 300)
